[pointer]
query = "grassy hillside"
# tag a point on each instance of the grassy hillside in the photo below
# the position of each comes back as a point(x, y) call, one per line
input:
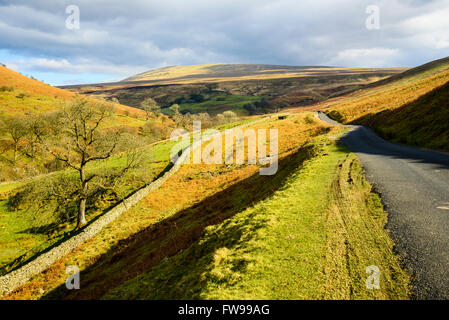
point(216, 222)
point(196, 195)
point(23, 99)
point(20, 94)
point(410, 107)
point(35, 224)
point(31, 229)
point(423, 122)
point(230, 72)
point(218, 103)
point(282, 86)
point(312, 239)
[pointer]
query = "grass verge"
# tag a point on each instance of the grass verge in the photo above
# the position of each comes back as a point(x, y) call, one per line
point(312, 239)
point(189, 191)
point(216, 231)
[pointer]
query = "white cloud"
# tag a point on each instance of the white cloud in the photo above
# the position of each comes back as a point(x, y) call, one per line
point(64, 66)
point(427, 30)
point(120, 39)
point(371, 57)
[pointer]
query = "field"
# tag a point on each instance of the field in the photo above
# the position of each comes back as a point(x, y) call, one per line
point(422, 122)
point(29, 231)
point(218, 103)
point(23, 100)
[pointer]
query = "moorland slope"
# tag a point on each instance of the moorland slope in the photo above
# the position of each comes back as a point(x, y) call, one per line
point(229, 87)
point(410, 108)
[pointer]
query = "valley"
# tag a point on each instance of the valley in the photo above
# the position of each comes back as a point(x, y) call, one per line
point(221, 230)
point(230, 87)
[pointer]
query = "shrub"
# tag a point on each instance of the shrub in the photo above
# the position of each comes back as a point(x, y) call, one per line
point(6, 88)
point(153, 132)
point(309, 120)
point(197, 98)
point(337, 116)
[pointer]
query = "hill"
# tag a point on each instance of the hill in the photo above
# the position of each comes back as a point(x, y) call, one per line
point(226, 232)
point(409, 108)
point(423, 122)
point(219, 72)
point(19, 94)
point(225, 87)
point(420, 72)
point(21, 99)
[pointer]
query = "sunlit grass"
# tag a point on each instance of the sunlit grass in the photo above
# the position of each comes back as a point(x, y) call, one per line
point(309, 240)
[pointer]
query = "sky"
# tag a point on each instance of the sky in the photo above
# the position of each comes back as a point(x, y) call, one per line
point(116, 39)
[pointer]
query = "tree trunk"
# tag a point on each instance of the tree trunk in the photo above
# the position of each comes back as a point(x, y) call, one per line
point(81, 221)
point(15, 154)
point(82, 214)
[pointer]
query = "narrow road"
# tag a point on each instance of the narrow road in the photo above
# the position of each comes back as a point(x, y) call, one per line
point(414, 185)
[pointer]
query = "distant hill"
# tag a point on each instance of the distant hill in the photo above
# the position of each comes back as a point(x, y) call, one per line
point(19, 94)
point(210, 71)
point(232, 72)
point(411, 107)
point(420, 72)
point(232, 86)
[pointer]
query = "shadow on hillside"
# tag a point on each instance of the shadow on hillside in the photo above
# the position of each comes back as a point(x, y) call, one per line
point(362, 140)
point(135, 255)
point(421, 122)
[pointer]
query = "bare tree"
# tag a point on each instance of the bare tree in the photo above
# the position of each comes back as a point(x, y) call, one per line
point(177, 116)
point(74, 137)
point(150, 105)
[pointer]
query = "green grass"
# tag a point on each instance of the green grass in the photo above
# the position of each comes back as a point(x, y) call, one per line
point(18, 242)
point(7, 187)
point(13, 241)
point(218, 104)
point(11, 105)
point(312, 239)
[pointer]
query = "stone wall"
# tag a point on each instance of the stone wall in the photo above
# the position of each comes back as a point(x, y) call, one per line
point(20, 276)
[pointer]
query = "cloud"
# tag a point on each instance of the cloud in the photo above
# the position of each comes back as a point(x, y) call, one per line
point(370, 58)
point(118, 39)
point(82, 66)
point(428, 30)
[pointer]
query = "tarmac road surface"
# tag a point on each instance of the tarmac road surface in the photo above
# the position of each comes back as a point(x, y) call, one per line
point(414, 186)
